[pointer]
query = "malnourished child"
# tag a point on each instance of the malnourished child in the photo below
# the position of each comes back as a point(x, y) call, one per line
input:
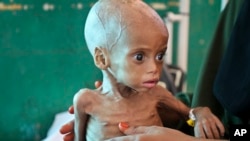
point(128, 41)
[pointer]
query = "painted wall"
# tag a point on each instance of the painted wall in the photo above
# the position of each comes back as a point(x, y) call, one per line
point(44, 59)
point(204, 15)
point(44, 62)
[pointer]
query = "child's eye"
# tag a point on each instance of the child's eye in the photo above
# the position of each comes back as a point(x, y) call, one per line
point(139, 57)
point(160, 56)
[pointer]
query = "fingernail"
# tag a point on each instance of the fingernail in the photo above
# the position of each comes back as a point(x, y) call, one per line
point(123, 126)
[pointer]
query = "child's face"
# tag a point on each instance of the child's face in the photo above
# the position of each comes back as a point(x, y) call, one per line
point(138, 58)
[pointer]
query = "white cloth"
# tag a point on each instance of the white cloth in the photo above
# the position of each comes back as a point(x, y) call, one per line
point(53, 132)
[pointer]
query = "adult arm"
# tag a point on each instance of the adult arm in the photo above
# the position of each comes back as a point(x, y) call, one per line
point(156, 133)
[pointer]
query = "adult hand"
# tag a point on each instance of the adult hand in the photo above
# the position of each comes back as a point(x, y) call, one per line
point(155, 133)
point(207, 125)
point(152, 133)
point(68, 129)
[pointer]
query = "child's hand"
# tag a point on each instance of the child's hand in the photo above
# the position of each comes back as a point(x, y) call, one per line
point(68, 129)
point(207, 125)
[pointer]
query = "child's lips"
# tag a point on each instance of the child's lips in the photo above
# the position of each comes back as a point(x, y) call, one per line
point(150, 83)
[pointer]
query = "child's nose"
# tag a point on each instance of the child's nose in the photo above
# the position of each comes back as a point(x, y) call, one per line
point(153, 67)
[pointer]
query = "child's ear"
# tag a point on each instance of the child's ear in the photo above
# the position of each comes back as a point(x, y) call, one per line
point(101, 58)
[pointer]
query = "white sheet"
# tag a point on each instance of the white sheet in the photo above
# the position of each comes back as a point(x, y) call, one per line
point(60, 119)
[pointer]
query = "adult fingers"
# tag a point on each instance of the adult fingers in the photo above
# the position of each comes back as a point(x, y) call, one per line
point(125, 138)
point(141, 130)
point(98, 84)
point(67, 128)
point(126, 129)
point(69, 137)
point(71, 109)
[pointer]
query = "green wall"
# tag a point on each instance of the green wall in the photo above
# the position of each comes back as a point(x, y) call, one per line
point(204, 15)
point(44, 60)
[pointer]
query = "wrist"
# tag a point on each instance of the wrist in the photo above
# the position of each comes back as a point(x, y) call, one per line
point(192, 118)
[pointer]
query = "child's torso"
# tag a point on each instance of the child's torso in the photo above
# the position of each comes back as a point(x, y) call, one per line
point(106, 113)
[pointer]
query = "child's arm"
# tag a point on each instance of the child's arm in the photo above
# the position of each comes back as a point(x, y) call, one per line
point(207, 125)
point(68, 129)
point(168, 102)
point(80, 104)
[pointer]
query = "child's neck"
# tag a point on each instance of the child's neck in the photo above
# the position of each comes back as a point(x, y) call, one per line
point(112, 87)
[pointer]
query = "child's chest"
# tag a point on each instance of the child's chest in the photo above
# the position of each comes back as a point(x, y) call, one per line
point(106, 114)
point(142, 111)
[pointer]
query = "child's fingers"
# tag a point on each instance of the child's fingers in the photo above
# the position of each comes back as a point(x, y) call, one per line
point(220, 126)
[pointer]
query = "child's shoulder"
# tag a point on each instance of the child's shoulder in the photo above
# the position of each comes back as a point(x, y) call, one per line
point(85, 91)
point(86, 94)
point(85, 99)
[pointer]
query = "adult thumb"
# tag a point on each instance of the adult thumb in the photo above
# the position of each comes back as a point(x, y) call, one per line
point(126, 129)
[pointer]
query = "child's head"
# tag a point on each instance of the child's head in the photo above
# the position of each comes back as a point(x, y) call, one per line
point(128, 39)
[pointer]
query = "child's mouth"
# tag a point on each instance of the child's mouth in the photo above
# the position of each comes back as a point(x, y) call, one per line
point(150, 84)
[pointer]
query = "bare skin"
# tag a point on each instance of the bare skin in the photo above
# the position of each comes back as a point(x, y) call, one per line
point(156, 133)
point(141, 133)
point(68, 129)
point(138, 109)
point(128, 41)
point(131, 66)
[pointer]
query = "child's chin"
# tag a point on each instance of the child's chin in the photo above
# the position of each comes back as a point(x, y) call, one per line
point(143, 89)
